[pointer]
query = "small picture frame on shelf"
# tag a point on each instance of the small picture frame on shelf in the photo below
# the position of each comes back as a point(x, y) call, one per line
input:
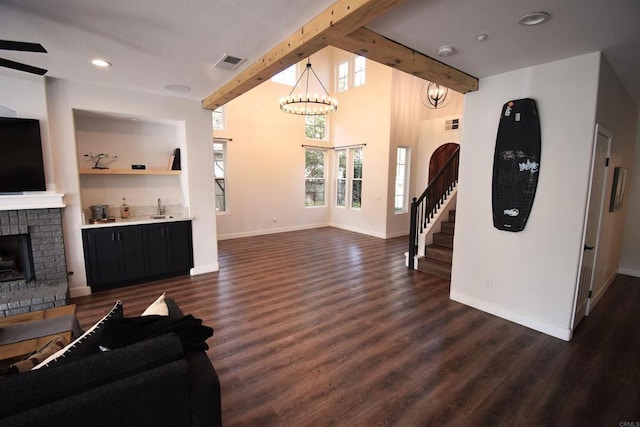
point(617, 191)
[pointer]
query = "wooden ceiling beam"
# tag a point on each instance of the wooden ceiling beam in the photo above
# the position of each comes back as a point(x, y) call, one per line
point(340, 19)
point(373, 46)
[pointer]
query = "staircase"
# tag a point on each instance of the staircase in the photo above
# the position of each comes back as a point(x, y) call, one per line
point(438, 255)
point(426, 211)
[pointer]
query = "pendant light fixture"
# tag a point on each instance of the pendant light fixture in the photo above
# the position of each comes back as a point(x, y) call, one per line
point(306, 103)
point(434, 95)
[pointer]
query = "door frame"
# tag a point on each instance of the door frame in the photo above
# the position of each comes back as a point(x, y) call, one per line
point(578, 315)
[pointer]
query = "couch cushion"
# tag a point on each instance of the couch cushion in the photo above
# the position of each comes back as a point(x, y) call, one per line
point(155, 397)
point(38, 387)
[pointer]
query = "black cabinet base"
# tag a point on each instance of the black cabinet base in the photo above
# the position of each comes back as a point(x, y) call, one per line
point(133, 254)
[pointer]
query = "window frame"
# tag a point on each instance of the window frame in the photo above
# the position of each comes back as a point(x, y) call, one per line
point(359, 74)
point(342, 178)
point(347, 178)
point(340, 78)
point(287, 77)
point(223, 178)
point(308, 179)
point(222, 120)
point(315, 126)
point(404, 176)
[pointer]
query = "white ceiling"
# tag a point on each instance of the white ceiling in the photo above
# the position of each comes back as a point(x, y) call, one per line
point(152, 43)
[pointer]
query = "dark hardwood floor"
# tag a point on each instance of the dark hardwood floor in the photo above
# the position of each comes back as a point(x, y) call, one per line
point(327, 327)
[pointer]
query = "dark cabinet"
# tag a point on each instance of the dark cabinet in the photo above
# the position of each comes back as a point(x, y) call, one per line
point(169, 248)
point(113, 255)
point(121, 255)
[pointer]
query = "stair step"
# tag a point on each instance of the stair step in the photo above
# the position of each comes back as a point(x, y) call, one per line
point(443, 239)
point(434, 267)
point(439, 253)
point(452, 215)
point(447, 226)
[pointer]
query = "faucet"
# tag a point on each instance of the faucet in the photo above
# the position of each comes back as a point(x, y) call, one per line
point(159, 207)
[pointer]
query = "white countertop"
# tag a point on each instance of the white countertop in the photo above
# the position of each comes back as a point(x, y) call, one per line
point(137, 220)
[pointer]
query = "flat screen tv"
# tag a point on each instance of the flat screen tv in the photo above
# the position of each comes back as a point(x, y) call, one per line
point(21, 165)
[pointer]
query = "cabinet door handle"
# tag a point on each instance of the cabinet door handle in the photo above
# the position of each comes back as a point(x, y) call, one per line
point(113, 237)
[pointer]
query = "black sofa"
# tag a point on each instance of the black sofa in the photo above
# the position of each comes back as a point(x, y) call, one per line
point(152, 382)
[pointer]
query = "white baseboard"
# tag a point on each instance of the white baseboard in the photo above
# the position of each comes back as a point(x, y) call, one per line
point(629, 272)
point(398, 234)
point(535, 324)
point(360, 230)
point(269, 231)
point(80, 292)
point(202, 269)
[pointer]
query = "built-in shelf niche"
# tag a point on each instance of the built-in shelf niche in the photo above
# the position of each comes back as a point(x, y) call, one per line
point(127, 141)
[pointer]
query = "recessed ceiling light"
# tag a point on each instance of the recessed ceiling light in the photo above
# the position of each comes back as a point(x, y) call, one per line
point(481, 37)
point(99, 62)
point(177, 88)
point(445, 51)
point(535, 18)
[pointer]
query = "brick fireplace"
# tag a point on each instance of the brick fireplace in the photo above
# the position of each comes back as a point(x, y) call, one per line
point(49, 286)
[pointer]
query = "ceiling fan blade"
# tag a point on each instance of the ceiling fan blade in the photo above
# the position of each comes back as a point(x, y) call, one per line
point(22, 46)
point(22, 67)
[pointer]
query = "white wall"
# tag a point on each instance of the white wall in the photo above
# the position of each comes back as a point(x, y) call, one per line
point(265, 163)
point(364, 116)
point(630, 256)
point(527, 277)
point(619, 115)
point(197, 162)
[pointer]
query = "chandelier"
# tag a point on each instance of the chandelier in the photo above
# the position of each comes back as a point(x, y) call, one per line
point(305, 103)
point(434, 95)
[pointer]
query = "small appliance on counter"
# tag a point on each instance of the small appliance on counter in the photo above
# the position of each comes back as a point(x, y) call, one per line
point(100, 214)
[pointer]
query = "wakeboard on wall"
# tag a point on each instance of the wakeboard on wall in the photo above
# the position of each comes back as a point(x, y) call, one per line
point(516, 164)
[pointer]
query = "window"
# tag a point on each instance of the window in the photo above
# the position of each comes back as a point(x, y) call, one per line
point(402, 173)
point(356, 184)
point(220, 174)
point(218, 118)
point(314, 177)
point(344, 80)
point(343, 76)
point(349, 178)
point(315, 127)
point(359, 71)
point(286, 77)
point(341, 180)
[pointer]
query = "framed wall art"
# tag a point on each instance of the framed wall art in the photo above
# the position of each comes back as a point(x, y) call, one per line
point(617, 191)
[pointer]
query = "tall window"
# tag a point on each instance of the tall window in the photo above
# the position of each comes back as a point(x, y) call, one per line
point(315, 127)
point(218, 118)
point(349, 178)
point(359, 71)
point(287, 76)
point(341, 178)
point(402, 173)
point(356, 185)
point(343, 76)
point(220, 174)
point(314, 177)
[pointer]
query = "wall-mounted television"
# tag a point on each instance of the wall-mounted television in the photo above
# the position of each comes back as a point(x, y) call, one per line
point(21, 164)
